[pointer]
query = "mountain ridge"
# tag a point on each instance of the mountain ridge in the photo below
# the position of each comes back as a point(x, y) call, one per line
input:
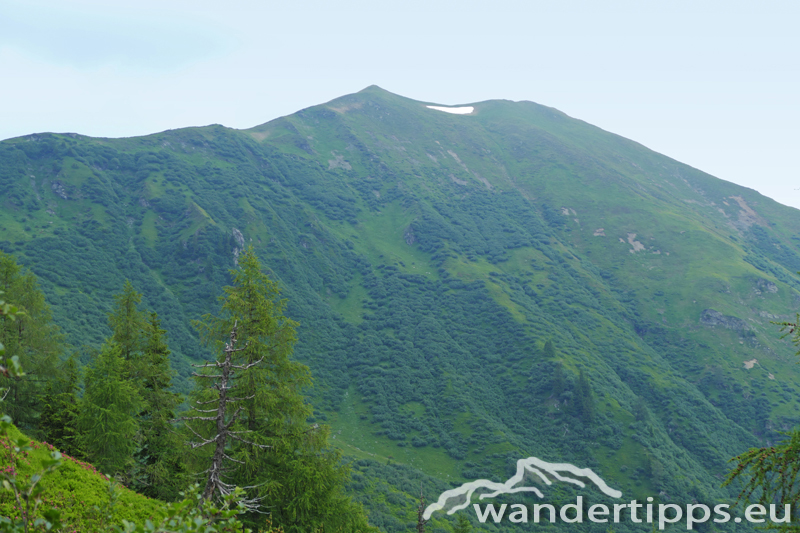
point(429, 258)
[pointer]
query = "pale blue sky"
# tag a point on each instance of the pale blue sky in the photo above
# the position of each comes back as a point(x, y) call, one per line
point(713, 84)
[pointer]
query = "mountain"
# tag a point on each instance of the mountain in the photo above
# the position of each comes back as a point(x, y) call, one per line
point(429, 258)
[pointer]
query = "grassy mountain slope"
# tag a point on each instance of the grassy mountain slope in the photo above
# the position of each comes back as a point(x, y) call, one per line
point(76, 490)
point(428, 257)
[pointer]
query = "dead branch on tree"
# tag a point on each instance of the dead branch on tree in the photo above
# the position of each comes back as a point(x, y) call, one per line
point(215, 485)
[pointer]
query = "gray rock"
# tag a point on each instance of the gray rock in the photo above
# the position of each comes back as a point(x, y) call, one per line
point(766, 286)
point(711, 317)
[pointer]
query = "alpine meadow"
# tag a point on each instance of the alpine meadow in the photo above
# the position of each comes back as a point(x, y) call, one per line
point(418, 298)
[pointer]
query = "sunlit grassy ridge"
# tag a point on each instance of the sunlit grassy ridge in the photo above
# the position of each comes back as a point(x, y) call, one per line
point(76, 489)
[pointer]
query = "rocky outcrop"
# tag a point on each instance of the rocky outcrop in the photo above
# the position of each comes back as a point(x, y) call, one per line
point(58, 189)
point(766, 286)
point(338, 162)
point(711, 317)
point(409, 236)
point(239, 238)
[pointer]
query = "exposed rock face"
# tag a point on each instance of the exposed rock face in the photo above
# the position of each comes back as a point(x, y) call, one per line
point(747, 217)
point(711, 317)
point(456, 180)
point(237, 235)
point(338, 162)
point(637, 246)
point(766, 286)
point(58, 188)
point(409, 236)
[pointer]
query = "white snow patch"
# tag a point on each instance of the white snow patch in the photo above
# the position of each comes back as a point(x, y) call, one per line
point(466, 110)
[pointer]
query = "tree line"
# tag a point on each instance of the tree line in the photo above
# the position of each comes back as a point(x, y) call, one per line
point(248, 429)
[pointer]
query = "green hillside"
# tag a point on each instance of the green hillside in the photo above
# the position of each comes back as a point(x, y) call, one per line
point(428, 258)
point(76, 489)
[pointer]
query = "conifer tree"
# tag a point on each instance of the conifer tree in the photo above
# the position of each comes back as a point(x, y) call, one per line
point(421, 521)
point(640, 412)
point(127, 322)
point(549, 351)
point(558, 380)
point(223, 410)
point(463, 524)
point(32, 338)
point(60, 409)
point(159, 466)
point(9, 366)
point(160, 456)
point(584, 402)
point(770, 474)
point(108, 413)
point(285, 460)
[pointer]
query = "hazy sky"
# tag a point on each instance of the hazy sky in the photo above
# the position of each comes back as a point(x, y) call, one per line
point(713, 84)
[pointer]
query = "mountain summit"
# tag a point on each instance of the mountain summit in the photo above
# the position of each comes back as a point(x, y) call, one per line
point(472, 288)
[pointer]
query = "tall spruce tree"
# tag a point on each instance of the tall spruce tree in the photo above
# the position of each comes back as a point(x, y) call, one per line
point(285, 460)
point(107, 422)
point(158, 466)
point(57, 423)
point(128, 323)
point(32, 338)
point(222, 410)
point(463, 524)
point(559, 383)
point(549, 350)
point(160, 458)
